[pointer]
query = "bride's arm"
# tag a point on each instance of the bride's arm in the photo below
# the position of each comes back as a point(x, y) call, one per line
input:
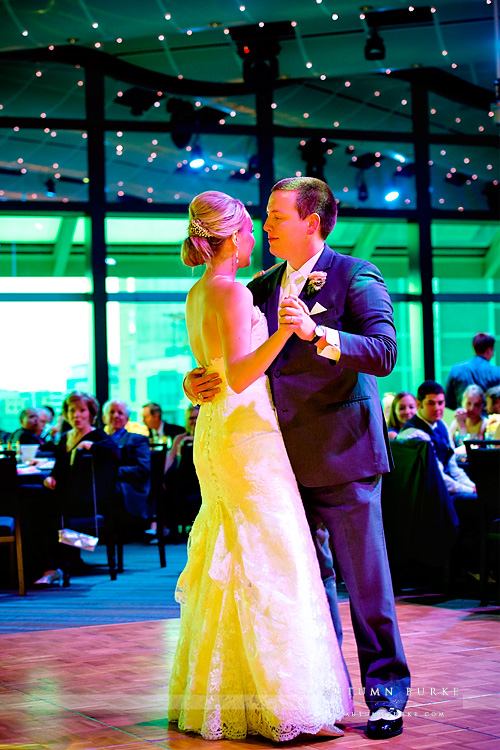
point(234, 319)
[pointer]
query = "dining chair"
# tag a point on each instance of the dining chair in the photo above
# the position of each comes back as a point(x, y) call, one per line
point(10, 526)
point(483, 457)
point(420, 521)
point(101, 515)
point(157, 497)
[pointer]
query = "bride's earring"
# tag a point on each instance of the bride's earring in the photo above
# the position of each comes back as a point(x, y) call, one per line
point(237, 258)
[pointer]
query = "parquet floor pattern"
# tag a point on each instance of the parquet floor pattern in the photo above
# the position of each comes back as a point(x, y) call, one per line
point(106, 687)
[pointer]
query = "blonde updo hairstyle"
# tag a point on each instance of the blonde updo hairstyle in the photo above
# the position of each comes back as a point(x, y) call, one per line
point(213, 217)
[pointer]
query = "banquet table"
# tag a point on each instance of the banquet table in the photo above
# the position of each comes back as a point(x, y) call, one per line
point(35, 471)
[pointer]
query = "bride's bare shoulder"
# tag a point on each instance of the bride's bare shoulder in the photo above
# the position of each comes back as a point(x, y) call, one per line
point(223, 290)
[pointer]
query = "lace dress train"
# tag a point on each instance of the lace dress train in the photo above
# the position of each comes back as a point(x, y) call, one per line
point(257, 653)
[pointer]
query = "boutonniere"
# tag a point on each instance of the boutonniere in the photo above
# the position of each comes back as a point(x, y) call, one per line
point(315, 281)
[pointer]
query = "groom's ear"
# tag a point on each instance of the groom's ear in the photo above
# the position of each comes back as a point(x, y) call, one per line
point(313, 223)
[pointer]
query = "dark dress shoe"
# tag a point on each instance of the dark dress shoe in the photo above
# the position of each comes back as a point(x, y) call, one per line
point(384, 729)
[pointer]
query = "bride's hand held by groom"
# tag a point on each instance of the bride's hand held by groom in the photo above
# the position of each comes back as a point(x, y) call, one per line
point(201, 387)
point(294, 314)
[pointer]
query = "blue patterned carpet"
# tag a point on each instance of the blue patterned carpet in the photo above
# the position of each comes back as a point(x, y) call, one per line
point(144, 591)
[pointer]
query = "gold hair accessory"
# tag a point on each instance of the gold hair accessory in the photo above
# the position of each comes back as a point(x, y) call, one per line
point(196, 228)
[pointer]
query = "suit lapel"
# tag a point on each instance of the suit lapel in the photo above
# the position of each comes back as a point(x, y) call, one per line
point(324, 263)
point(273, 299)
point(122, 442)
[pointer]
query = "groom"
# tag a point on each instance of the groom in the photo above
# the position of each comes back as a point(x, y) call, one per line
point(325, 392)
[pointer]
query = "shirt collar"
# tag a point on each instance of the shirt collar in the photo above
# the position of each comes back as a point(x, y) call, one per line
point(117, 435)
point(305, 269)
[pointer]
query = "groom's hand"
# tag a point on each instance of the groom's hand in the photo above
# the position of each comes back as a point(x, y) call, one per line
point(201, 387)
point(294, 314)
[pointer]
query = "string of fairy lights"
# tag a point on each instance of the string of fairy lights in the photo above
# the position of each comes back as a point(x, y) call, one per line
point(151, 159)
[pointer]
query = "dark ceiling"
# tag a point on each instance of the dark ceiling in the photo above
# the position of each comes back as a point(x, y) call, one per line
point(325, 88)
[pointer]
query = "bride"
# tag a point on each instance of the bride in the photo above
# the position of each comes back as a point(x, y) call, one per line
point(257, 653)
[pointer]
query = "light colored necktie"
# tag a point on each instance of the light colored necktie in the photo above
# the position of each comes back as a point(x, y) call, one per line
point(295, 279)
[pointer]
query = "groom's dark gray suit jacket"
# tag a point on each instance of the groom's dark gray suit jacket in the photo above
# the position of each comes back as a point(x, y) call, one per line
point(330, 414)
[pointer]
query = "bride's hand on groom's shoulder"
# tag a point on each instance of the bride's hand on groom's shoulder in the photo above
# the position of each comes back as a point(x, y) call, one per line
point(201, 386)
point(266, 270)
point(294, 315)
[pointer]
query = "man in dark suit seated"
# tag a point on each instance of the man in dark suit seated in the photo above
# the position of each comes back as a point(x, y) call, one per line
point(159, 430)
point(134, 470)
point(427, 424)
point(27, 433)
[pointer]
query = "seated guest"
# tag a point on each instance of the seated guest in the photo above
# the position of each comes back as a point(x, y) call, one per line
point(468, 420)
point(75, 480)
point(387, 400)
point(159, 431)
point(46, 416)
point(184, 438)
point(426, 424)
point(44, 429)
point(134, 472)
point(493, 411)
point(130, 426)
point(27, 434)
point(181, 480)
point(403, 407)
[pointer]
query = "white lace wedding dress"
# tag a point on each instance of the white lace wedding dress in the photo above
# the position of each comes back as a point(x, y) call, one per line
point(257, 653)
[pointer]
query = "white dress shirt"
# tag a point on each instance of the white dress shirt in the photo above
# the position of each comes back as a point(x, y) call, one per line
point(292, 283)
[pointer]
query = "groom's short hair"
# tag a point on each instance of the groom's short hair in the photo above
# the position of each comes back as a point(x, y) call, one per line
point(313, 197)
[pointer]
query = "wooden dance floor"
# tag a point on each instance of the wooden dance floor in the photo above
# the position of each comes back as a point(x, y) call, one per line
point(106, 687)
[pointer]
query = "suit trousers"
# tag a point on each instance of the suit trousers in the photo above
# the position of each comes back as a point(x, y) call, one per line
point(351, 515)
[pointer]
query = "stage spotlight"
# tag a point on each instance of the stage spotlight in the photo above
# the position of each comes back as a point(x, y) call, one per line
point(139, 100)
point(182, 114)
point(50, 188)
point(374, 47)
point(363, 193)
point(392, 196)
point(313, 154)
point(258, 47)
point(196, 161)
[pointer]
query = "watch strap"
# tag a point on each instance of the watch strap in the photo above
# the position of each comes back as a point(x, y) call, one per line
point(317, 336)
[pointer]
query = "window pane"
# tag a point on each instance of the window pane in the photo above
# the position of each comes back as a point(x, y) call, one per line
point(456, 323)
point(149, 355)
point(46, 349)
point(409, 370)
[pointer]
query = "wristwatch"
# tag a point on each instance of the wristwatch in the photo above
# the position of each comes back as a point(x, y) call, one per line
point(319, 332)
